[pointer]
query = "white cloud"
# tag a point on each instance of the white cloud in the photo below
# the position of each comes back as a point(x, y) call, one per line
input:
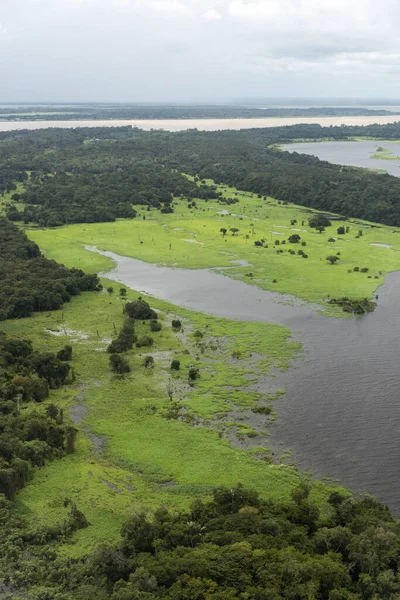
point(212, 15)
point(162, 49)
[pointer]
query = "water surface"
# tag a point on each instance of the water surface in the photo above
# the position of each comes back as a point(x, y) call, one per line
point(340, 415)
point(200, 124)
point(353, 154)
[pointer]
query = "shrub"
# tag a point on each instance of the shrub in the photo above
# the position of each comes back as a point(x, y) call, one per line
point(139, 309)
point(145, 341)
point(193, 374)
point(364, 270)
point(304, 243)
point(148, 362)
point(175, 365)
point(176, 324)
point(295, 238)
point(155, 326)
point(236, 354)
point(356, 269)
point(119, 364)
point(65, 353)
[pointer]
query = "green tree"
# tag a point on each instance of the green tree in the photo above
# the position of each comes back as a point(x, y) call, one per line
point(332, 259)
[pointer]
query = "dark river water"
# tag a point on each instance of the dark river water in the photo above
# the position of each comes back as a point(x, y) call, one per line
point(353, 154)
point(340, 415)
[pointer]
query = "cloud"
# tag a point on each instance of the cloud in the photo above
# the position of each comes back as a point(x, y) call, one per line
point(212, 15)
point(170, 49)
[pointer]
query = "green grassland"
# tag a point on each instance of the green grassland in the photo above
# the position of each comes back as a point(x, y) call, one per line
point(144, 454)
point(191, 238)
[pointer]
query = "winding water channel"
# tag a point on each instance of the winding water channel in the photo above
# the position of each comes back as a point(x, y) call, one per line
point(340, 415)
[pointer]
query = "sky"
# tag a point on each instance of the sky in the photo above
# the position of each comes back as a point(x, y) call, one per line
point(197, 50)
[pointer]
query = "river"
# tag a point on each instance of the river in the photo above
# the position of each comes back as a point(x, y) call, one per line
point(353, 154)
point(340, 415)
point(201, 124)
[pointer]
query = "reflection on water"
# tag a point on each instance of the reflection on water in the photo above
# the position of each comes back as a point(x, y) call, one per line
point(353, 154)
point(340, 415)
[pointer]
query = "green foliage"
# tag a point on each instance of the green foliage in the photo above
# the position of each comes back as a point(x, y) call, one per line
point(332, 258)
point(358, 307)
point(155, 326)
point(193, 374)
point(31, 283)
point(65, 353)
point(294, 238)
point(126, 338)
point(140, 309)
point(175, 365)
point(234, 546)
point(119, 364)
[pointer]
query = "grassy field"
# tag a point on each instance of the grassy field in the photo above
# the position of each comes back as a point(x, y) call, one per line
point(137, 449)
point(191, 238)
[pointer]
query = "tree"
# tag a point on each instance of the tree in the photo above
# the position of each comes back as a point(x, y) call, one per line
point(175, 365)
point(332, 259)
point(119, 364)
point(223, 230)
point(341, 230)
point(110, 290)
point(294, 239)
point(176, 324)
point(139, 309)
point(320, 228)
point(234, 230)
point(122, 292)
point(318, 220)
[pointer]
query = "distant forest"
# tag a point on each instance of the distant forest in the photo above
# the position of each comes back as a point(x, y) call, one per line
point(130, 111)
point(100, 174)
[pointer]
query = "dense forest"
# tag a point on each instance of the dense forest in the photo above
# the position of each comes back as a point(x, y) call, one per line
point(98, 174)
point(29, 282)
point(101, 111)
point(235, 546)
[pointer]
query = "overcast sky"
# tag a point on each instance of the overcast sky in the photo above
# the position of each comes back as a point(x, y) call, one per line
point(197, 50)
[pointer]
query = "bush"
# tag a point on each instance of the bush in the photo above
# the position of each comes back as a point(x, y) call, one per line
point(364, 270)
point(145, 341)
point(65, 353)
point(236, 354)
point(175, 365)
point(155, 326)
point(176, 324)
point(193, 374)
point(119, 364)
point(148, 362)
point(295, 238)
point(139, 309)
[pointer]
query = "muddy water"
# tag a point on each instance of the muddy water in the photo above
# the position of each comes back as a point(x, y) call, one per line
point(340, 415)
point(201, 124)
point(353, 154)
